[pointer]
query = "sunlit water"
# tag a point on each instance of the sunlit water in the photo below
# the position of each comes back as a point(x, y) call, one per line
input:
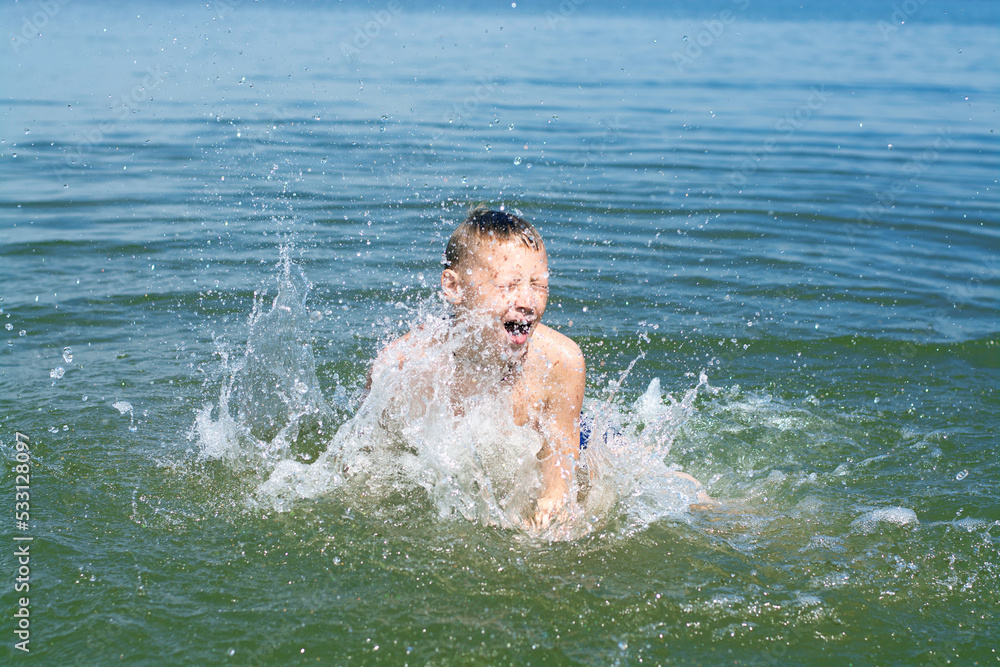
point(774, 234)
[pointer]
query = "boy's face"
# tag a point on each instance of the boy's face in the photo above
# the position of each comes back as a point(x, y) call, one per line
point(501, 290)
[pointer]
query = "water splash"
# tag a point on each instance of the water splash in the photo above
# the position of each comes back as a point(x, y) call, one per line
point(125, 408)
point(900, 516)
point(271, 406)
point(628, 466)
point(430, 448)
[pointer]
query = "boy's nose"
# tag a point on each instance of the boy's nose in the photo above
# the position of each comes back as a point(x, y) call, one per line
point(526, 299)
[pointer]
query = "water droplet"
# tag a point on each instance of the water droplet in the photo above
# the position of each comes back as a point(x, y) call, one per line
point(517, 160)
point(9, 326)
point(962, 475)
point(57, 372)
point(68, 355)
point(511, 126)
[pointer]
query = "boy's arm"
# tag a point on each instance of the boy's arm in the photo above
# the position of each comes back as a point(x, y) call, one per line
point(389, 354)
point(562, 436)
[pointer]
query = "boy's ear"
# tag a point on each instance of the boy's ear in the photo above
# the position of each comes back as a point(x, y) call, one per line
point(450, 286)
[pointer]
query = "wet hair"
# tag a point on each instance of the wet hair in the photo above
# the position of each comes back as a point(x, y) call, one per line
point(484, 224)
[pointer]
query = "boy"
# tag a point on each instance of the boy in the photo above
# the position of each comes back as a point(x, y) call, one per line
point(496, 279)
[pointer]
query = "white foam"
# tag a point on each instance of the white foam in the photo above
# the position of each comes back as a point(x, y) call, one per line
point(900, 516)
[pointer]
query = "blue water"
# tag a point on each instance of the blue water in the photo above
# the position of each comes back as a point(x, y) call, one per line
point(798, 201)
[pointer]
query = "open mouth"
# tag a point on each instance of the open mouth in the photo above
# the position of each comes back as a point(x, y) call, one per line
point(518, 331)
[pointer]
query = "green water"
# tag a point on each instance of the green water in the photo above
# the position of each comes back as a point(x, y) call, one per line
point(840, 297)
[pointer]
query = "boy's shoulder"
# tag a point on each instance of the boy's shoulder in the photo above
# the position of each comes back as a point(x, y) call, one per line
point(408, 347)
point(558, 351)
point(413, 346)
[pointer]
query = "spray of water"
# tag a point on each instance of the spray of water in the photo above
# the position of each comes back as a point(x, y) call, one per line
point(412, 442)
point(271, 406)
